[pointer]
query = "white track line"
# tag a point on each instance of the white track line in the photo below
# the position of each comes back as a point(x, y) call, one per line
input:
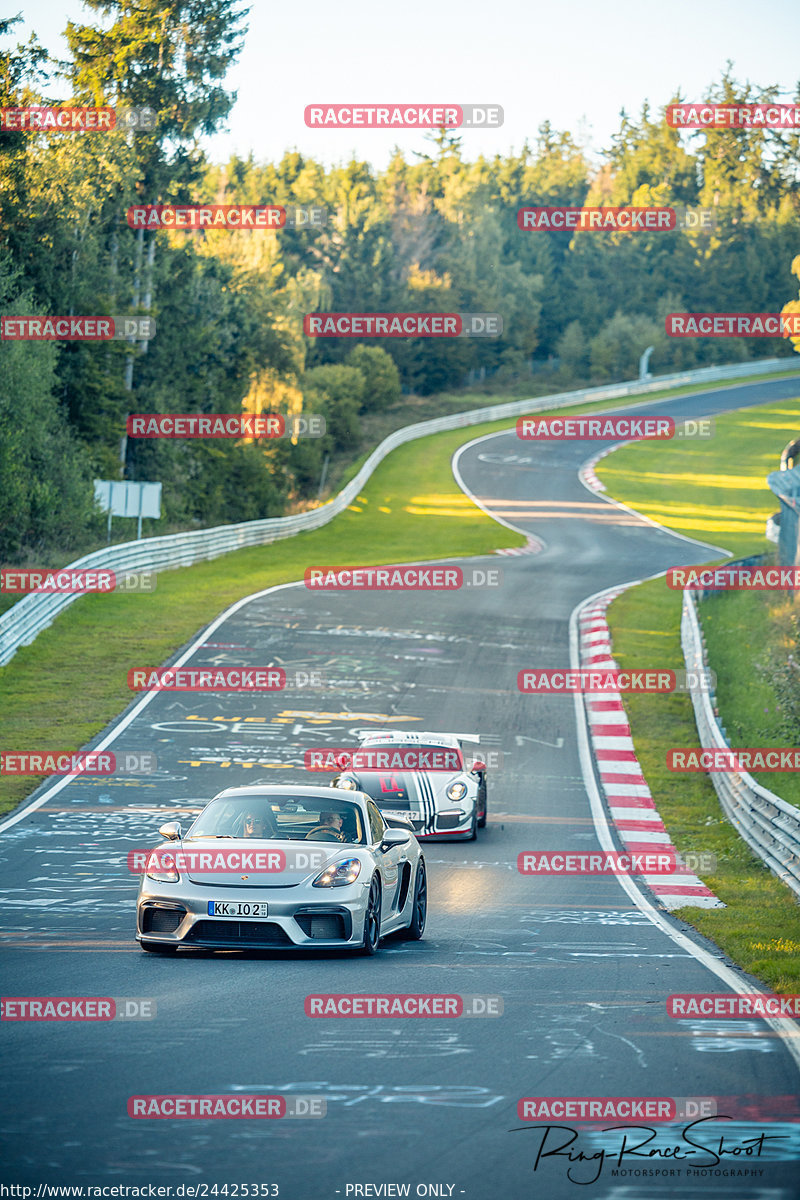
point(586, 471)
point(786, 1029)
point(533, 540)
point(125, 720)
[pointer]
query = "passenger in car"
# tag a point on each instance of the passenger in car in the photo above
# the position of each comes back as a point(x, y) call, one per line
point(255, 826)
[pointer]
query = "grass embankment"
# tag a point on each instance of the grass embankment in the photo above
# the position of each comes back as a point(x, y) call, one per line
point(722, 498)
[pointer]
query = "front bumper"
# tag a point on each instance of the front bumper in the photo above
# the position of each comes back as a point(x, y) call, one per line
point(177, 915)
point(433, 828)
point(442, 826)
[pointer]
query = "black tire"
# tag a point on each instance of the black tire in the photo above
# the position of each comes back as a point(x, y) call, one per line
point(482, 806)
point(158, 947)
point(473, 829)
point(372, 919)
point(415, 930)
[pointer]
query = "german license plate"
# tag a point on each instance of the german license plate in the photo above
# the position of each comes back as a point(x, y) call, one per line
point(237, 908)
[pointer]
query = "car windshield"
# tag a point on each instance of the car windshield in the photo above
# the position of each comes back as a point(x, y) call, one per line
point(413, 757)
point(281, 818)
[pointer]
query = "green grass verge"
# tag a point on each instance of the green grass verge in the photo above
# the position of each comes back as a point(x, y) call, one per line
point(760, 928)
point(723, 499)
point(713, 488)
point(744, 631)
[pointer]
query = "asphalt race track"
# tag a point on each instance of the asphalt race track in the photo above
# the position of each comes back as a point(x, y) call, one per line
point(583, 973)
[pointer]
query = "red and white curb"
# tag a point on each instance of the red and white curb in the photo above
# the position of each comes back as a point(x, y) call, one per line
point(587, 474)
point(532, 546)
point(630, 803)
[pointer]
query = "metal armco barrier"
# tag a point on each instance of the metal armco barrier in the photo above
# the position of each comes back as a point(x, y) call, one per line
point(21, 624)
point(769, 825)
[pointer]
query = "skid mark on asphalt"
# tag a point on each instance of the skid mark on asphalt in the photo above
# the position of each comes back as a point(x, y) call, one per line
point(584, 915)
point(397, 1043)
point(727, 1037)
point(351, 1094)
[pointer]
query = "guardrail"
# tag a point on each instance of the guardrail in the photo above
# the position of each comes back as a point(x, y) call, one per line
point(769, 825)
point(21, 624)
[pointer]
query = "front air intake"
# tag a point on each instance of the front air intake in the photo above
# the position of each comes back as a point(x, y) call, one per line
point(162, 920)
point(239, 933)
point(326, 926)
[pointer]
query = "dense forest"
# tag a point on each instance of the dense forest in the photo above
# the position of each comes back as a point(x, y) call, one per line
point(431, 232)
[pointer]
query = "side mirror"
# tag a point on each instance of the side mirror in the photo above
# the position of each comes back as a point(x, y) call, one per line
point(394, 837)
point(171, 831)
point(478, 768)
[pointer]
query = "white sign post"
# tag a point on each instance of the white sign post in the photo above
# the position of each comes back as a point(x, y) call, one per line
point(128, 500)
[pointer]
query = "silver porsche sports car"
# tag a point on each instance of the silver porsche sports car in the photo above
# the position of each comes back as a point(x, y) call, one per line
point(273, 867)
point(422, 780)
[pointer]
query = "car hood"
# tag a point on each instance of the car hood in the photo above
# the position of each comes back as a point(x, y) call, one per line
point(410, 791)
point(248, 872)
point(387, 786)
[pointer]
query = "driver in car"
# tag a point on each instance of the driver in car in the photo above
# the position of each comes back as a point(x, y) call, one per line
point(329, 828)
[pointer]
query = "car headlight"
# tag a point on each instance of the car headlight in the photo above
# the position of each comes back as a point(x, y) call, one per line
point(457, 790)
point(349, 784)
point(339, 874)
point(161, 867)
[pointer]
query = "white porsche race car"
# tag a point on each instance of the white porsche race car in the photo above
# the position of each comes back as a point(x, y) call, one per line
point(420, 779)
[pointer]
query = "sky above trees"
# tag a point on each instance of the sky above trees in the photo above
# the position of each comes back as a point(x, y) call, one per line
point(575, 63)
point(433, 229)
